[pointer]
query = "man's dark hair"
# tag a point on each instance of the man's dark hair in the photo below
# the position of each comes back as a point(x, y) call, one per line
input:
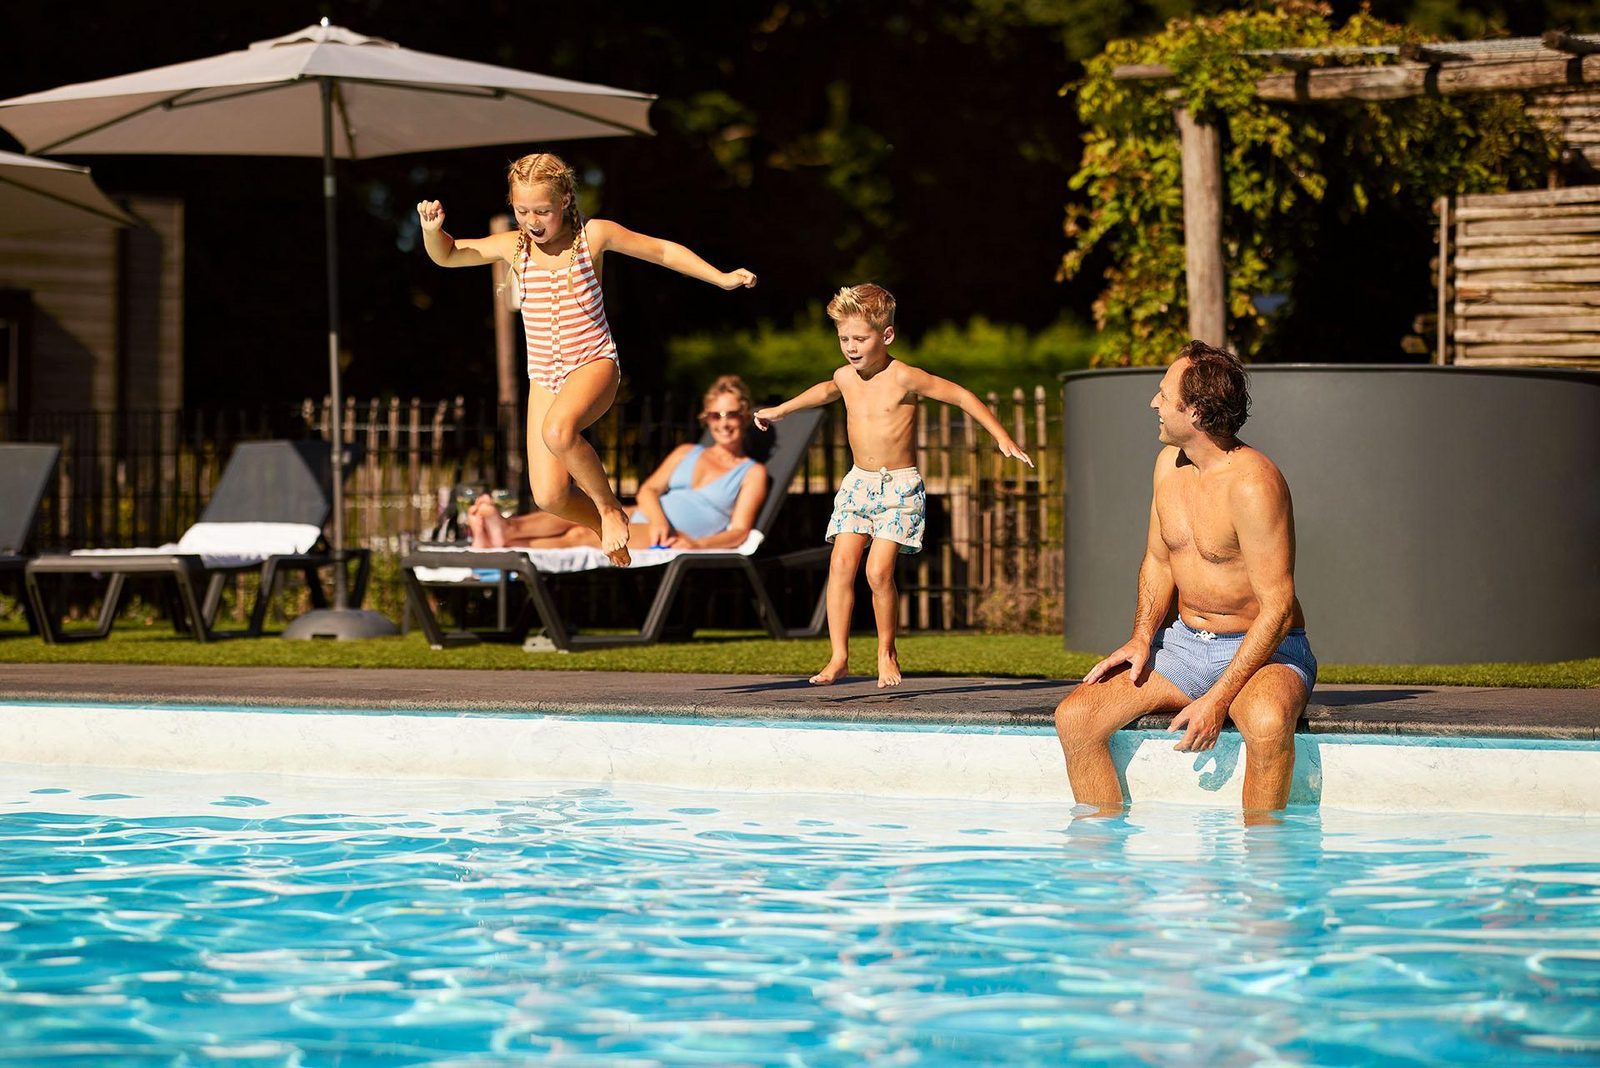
point(1215, 387)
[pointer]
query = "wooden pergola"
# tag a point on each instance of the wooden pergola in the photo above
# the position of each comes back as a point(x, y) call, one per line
point(1557, 61)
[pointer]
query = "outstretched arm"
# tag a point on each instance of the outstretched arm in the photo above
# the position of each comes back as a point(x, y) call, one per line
point(945, 391)
point(606, 236)
point(446, 251)
point(815, 397)
point(1264, 521)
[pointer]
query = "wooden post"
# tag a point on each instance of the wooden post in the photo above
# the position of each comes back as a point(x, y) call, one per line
point(1441, 354)
point(510, 360)
point(953, 508)
point(504, 294)
point(1021, 528)
point(924, 576)
point(1202, 228)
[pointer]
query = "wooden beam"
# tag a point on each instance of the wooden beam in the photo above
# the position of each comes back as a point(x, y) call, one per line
point(1561, 41)
point(1544, 324)
point(1480, 310)
point(1563, 244)
point(1533, 358)
point(1421, 53)
point(1524, 292)
point(1528, 210)
point(1501, 227)
point(1535, 350)
point(1202, 229)
point(1141, 72)
point(1431, 79)
point(1481, 262)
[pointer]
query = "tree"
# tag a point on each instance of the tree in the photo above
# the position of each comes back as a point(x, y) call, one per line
point(1291, 172)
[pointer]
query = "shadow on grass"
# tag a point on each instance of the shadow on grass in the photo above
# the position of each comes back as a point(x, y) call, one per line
point(864, 688)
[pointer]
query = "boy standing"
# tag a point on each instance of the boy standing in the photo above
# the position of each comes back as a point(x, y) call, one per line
point(879, 509)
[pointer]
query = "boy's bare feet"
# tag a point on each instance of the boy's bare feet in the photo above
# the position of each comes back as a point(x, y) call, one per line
point(614, 536)
point(835, 671)
point(888, 669)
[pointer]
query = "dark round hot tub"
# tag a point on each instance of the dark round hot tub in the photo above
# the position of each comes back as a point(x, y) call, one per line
point(1443, 514)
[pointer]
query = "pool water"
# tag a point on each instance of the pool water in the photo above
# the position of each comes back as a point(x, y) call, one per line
point(185, 919)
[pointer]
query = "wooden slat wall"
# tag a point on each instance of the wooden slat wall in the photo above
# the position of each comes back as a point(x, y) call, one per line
point(72, 278)
point(1523, 278)
point(108, 311)
point(1572, 117)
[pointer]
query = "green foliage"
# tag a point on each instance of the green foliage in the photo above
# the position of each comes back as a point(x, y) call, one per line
point(1281, 162)
point(980, 355)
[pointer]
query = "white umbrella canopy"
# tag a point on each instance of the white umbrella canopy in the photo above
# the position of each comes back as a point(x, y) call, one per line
point(38, 196)
point(265, 100)
point(328, 92)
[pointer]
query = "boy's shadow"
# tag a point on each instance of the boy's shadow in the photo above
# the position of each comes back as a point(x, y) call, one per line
point(865, 688)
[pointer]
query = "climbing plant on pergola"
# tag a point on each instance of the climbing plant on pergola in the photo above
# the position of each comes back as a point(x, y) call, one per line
point(1202, 166)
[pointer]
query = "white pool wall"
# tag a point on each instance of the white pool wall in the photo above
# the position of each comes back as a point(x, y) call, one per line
point(1012, 764)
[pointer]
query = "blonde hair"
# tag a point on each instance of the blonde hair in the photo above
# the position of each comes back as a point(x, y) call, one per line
point(866, 301)
point(546, 168)
point(729, 384)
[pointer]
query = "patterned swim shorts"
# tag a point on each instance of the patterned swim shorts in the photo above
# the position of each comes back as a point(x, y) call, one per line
point(891, 505)
point(1193, 660)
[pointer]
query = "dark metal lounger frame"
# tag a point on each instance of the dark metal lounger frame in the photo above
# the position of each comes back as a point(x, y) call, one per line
point(793, 437)
point(25, 471)
point(265, 481)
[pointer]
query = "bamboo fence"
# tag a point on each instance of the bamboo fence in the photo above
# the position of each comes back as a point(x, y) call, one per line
point(991, 557)
point(1519, 278)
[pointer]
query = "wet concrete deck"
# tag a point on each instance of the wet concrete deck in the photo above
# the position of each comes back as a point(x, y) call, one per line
point(1441, 711)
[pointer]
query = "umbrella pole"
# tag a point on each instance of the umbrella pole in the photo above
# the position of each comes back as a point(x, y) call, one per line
point(340, 621)
point(330, 220)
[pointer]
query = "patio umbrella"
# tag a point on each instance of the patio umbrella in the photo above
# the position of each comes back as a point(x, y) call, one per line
point(37, 196)
point(328, 92)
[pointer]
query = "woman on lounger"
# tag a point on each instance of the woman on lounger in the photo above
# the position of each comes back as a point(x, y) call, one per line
point(701, 497)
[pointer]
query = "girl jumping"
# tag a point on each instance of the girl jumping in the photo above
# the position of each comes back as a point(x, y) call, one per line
point(572, 362)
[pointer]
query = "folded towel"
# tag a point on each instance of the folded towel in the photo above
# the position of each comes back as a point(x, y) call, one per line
point(228, 544)
point(564, 560)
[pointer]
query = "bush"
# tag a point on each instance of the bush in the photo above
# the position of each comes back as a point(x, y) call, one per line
point(1291, 173)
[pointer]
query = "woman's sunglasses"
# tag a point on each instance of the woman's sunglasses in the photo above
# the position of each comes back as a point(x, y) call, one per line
point(737, 413)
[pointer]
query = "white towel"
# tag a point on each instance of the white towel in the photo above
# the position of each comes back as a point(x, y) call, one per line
point(576, 558)
point(228, 544)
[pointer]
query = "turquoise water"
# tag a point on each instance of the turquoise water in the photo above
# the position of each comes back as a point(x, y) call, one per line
point(180, 919)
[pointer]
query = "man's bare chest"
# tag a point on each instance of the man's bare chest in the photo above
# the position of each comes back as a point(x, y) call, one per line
point(1195, 521)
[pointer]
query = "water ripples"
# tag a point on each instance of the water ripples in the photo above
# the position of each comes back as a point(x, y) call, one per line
point(654, 927)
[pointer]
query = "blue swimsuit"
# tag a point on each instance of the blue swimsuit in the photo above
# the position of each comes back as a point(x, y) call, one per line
point(703, 511)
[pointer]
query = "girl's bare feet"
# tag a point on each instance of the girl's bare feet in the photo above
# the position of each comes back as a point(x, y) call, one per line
point(837, 668)
point(614, 536)
point(888, 668)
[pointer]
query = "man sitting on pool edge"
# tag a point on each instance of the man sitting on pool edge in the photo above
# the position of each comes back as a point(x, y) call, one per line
point(1220, 543)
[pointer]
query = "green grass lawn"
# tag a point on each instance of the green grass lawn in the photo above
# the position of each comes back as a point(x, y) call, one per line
point(1003, 655)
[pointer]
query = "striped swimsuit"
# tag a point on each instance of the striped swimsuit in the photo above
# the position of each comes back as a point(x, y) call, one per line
point(564, 317)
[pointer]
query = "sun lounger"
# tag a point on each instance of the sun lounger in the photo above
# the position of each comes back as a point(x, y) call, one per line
point(25, 471)
point(537, 569)
point(265, 515)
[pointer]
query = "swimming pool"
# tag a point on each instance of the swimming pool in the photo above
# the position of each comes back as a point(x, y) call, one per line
point(251, 919)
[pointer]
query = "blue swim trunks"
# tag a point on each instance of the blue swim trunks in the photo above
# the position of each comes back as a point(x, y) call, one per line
point(892, 505)
point(1193, 660)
